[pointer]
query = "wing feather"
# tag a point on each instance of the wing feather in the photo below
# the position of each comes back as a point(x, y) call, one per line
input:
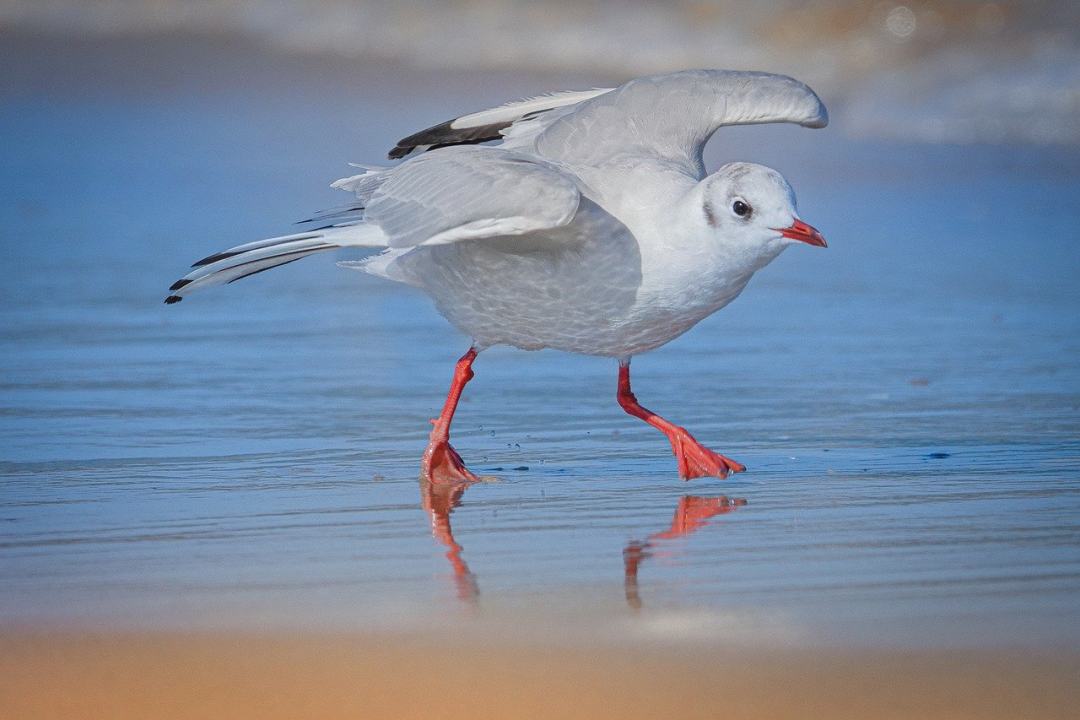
point(490, 124)
point(671, 117)
point(466, 192)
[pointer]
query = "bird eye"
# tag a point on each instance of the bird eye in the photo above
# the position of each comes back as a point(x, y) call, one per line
point(740, 208)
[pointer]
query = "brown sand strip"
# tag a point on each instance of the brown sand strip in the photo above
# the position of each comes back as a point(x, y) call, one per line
point(149, 676)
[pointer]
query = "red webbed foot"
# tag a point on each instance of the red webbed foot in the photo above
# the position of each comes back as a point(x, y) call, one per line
point(695, 460)
point(443, 465)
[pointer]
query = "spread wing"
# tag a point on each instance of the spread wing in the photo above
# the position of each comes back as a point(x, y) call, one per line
point(663, 117)
point(671, 117)
point(458, 193)
point(462, 193)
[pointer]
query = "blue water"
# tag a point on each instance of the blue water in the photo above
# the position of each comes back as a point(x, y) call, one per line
point(907, 401)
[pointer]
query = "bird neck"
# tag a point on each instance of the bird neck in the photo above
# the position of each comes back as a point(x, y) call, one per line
point(637, 192)
point(690, 263)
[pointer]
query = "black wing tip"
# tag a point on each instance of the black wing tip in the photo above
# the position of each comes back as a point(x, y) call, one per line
point(443, 135)
point(173, 299)
point(179, 284)
point(324, 215)
point(256, 272)
point(213, 258)
point(406, 145)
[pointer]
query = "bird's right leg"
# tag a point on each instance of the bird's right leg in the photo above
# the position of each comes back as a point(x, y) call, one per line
point(694, 459)
point(441, 463)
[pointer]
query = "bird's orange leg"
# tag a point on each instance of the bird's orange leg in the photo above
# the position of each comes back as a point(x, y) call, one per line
point(694, 459)
point(441, 463)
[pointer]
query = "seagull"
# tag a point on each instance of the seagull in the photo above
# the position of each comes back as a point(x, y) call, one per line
point(587, 224)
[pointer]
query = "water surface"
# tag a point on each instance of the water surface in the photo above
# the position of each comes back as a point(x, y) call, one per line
point(907, 400)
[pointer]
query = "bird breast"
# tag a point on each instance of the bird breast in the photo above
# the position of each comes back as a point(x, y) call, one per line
point(589, 288)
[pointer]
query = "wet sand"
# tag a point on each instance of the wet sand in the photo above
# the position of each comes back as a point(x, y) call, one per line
point(384, 675)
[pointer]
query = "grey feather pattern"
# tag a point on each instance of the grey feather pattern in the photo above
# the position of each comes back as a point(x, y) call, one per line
point(671, 117)
point(465, 192)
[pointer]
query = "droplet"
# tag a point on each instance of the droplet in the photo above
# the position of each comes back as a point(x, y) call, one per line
point(901, 22)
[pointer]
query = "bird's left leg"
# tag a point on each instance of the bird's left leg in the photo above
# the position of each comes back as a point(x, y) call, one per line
point(695, 460)
point(441, 463)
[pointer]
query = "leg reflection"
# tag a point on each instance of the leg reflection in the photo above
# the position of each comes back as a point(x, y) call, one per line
point(439, 500)
point(692, 513)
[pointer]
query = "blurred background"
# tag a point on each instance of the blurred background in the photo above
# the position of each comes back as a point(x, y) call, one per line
point(958, 71)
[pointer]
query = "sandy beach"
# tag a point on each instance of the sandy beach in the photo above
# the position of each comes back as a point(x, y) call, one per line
point(167, 676)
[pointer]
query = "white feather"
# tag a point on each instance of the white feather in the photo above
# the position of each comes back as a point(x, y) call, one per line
point(516, 109)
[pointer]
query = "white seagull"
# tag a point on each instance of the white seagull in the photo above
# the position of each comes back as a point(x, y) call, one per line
point(591, 227)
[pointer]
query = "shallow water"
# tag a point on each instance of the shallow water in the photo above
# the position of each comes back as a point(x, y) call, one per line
point(907, 400)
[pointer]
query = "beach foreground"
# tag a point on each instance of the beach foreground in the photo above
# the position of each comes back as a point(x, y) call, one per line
point(173, 675)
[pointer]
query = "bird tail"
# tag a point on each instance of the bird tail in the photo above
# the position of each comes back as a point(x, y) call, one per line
point(245, 260)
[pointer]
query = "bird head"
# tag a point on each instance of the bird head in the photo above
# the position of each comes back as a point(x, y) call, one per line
point(752, 208)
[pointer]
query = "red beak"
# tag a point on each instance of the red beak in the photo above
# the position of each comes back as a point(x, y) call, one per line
point(803, 233)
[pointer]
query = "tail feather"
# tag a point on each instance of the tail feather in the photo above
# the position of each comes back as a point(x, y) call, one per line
point(251, 258)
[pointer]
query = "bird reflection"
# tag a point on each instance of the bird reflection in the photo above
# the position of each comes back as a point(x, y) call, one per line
point(692, 513)
point(439, 500)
